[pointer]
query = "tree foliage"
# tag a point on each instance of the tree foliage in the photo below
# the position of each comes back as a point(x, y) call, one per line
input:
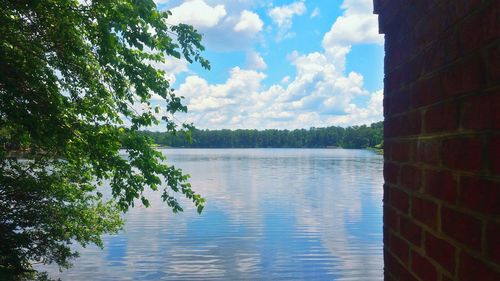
point(76, 80)
point(350, 137)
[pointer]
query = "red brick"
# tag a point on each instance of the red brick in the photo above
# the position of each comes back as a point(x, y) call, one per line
point(495, 101)
point(463, 78)
point(391, 218)
point(426, 92)
point(392, 81)
point(392, 126)
point(400, 151)
point(428, 152)
point(410, 231)
point(461, 227)
point(400, 102)
point(441, 185)
point(494, 64)
point(494, 154)
point(480, 28)
point(472, 269)
point(400, 248)
point(440, 251)
point(465, 7)
point(396, 269)
point(451, 44)
point(387, 105)
point(400, 200)
point(411, 177)
point(441, 117)
point(493, 241)
point(446, 278)
point(424, 211)
point(422, 267)
point(391, 172)
point(411, 123)
point(479, 111)
point(480, 195)
point(463, 154)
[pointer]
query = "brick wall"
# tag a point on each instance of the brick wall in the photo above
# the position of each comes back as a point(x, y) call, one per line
point(442, 139)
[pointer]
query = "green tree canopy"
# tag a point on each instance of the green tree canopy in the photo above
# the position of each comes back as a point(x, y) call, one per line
point(73, 74)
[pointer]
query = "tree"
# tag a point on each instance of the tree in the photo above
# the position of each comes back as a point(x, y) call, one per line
point(76, 80)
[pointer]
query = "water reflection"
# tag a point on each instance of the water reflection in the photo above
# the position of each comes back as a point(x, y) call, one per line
point(272, 214)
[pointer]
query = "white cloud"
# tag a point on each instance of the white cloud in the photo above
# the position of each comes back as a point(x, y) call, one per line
point(160, 2)
point(249, 22)
point(356, 115)
point(356, 25)
point(255, 61)
point(320, 93)
point(315, 13)
point(197, 13)
point(282, 16)
point(285, 80)
point(226, 25)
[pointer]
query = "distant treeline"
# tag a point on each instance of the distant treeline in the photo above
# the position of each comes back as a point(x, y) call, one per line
point(350, 137)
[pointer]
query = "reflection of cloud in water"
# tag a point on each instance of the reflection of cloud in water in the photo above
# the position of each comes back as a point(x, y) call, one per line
point(275, 213)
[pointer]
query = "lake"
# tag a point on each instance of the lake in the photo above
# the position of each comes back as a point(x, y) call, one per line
point(271, 214)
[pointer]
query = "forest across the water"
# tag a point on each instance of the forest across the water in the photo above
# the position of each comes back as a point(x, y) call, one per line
point(328, 137)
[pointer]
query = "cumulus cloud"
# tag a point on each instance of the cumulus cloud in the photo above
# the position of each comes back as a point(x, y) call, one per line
point(282, 16)
point(226, 25)
point(357, 24)
point(255, 61)
point(197, 13)
point(320, 93)
point(249, 22)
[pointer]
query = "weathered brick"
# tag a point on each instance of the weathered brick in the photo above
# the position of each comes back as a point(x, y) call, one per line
point(424, 211)
point(410, 231)
point(391, 218)
point(494, 154)
point(441, 185)
point(487, 105)
point(396, 269)
point(411, 177)
point(480, 195)
point(445, 278)
point(400, 248)
point(441, 121)
point(400, 102)
point(440, 251)
point(494, 64)
point(463, 8)
point(463, 78)
point(400, 200)
point(472, 269)
point(480, 28)
point(428, 151)
point(391, 172)
point(461, 227)
point(400, 151)
point(422, 267)
point(493, 241)
point(462, 153)
point(441, 118)
point(426, 92)
point(411, 123)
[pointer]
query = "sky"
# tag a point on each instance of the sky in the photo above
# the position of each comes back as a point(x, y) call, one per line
point(280, 64)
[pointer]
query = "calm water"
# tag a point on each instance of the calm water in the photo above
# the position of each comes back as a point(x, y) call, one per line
point(272, 214)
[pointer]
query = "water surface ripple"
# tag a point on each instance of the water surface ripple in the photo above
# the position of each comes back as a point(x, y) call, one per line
point(271, 214)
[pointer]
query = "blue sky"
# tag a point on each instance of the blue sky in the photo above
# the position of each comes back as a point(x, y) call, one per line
point(280, 64)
